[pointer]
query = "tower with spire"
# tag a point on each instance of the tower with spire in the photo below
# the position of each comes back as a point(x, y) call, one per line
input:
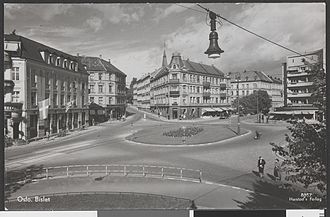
point(164, 63)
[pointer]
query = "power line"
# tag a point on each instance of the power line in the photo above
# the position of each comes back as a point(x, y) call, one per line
point(203, 12)
point(264, 38)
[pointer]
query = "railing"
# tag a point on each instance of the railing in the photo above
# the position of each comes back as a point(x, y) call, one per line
point(223, 95)
point(206, 94)
point(206, 84)
point(300, 84)
point(174, 93)
point(223, 86)
point(121, 170)
point(173, 81)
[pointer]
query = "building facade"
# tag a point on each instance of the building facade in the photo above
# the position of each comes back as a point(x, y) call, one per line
point(298, 84)
point(185, 89)
point(107, 86)
point(41, 72)
point(143, 92)
point(251, 81)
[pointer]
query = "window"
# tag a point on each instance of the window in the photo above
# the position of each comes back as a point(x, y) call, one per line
point(15, 96)
point(100, 88)
point(55, 100)
point(34, 99)
point(100, 76)
point(91, 99)
point(91, 88)
point(197, 99)
point(110, 100)
point(15, 74)
point(100, 99)
point(62, 99)
point(58, 61)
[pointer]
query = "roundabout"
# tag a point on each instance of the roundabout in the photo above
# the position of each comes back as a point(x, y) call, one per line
point(181, 134)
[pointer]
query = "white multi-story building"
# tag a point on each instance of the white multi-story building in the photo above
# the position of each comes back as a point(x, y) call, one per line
point(107, 85)
point(298, 84)
point(41, 72)
point(251, 81)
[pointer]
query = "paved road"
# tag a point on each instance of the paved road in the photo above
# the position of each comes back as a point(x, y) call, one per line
point(230, 162)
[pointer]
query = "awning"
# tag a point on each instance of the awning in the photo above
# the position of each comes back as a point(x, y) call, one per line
point(207, 110)
point(296, 112)
point(218, 109)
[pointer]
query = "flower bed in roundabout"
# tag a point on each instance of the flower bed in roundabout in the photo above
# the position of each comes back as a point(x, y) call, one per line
point(180, 134)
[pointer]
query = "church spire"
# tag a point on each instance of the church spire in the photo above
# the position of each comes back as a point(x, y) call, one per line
point(164, 63)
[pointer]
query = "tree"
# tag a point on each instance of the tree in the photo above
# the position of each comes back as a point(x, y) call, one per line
point(305, 153)
point(250, 102)
point(129, 95)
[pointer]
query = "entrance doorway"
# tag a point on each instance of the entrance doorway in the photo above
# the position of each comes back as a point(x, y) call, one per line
point(175, 113)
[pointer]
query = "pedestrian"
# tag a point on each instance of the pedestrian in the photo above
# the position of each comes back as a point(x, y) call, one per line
point(261, 166)
point(263, 118)
point(277, 170)
point(47, 133)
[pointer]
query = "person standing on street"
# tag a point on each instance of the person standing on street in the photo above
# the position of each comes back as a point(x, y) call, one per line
point(261, 166)
point(277, 170)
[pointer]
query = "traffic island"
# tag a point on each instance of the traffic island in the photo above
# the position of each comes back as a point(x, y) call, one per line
point(180, 134)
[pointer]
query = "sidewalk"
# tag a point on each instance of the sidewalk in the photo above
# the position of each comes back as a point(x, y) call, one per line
point(162, 118)
point(69, 135)
point(205, 195)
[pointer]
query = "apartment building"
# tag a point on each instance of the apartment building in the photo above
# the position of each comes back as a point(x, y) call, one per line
point(251, 81)
point(298, 84)
point(41, 72)
point(186, 89)
point(107, 85)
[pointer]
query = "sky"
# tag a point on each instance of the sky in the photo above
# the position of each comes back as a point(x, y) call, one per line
point(134, 36)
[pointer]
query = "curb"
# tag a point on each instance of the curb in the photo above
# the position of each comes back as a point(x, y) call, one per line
point(192, 145)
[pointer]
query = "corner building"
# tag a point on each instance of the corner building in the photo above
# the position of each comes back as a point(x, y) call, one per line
point(41, 72)
point(107, 85)
point(186, 89)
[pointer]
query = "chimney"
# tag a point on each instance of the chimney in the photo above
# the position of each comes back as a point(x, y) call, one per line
point(100, 56)
point(109, 61)
point(77, 54)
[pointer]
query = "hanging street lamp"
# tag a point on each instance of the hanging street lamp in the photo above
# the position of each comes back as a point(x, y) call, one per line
point(214, 51)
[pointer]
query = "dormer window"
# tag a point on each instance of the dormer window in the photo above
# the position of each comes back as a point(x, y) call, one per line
point(58, 61)
point(49, 59)
point(65, 63)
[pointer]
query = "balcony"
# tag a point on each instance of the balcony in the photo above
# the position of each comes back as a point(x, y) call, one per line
point(206, 94)
point(300, 84)
point(175, 93)
point(299, 95)
point(184, 93)
point(297, 74)
point(223, 86)
point(173, 81)
point(223, 95)
point(206, 84)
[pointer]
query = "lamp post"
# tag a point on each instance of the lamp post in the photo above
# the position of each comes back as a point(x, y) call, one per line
point(258, 119)
point(238, 120)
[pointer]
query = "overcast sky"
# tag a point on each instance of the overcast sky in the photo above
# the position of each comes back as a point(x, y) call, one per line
point(133, 35)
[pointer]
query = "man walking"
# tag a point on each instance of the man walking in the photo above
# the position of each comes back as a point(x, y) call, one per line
point(261, 166)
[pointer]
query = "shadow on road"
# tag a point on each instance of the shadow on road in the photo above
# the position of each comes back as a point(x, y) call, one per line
point(275, 195)
point(16, 179)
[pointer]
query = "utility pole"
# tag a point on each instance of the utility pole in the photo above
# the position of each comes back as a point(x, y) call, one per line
point(238, 120)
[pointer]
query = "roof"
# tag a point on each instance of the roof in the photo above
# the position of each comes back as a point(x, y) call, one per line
point(98, 64)
point(202, 68)
point(160, 72)
point(251, 76)
point(318, 52)
point(31, 50)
